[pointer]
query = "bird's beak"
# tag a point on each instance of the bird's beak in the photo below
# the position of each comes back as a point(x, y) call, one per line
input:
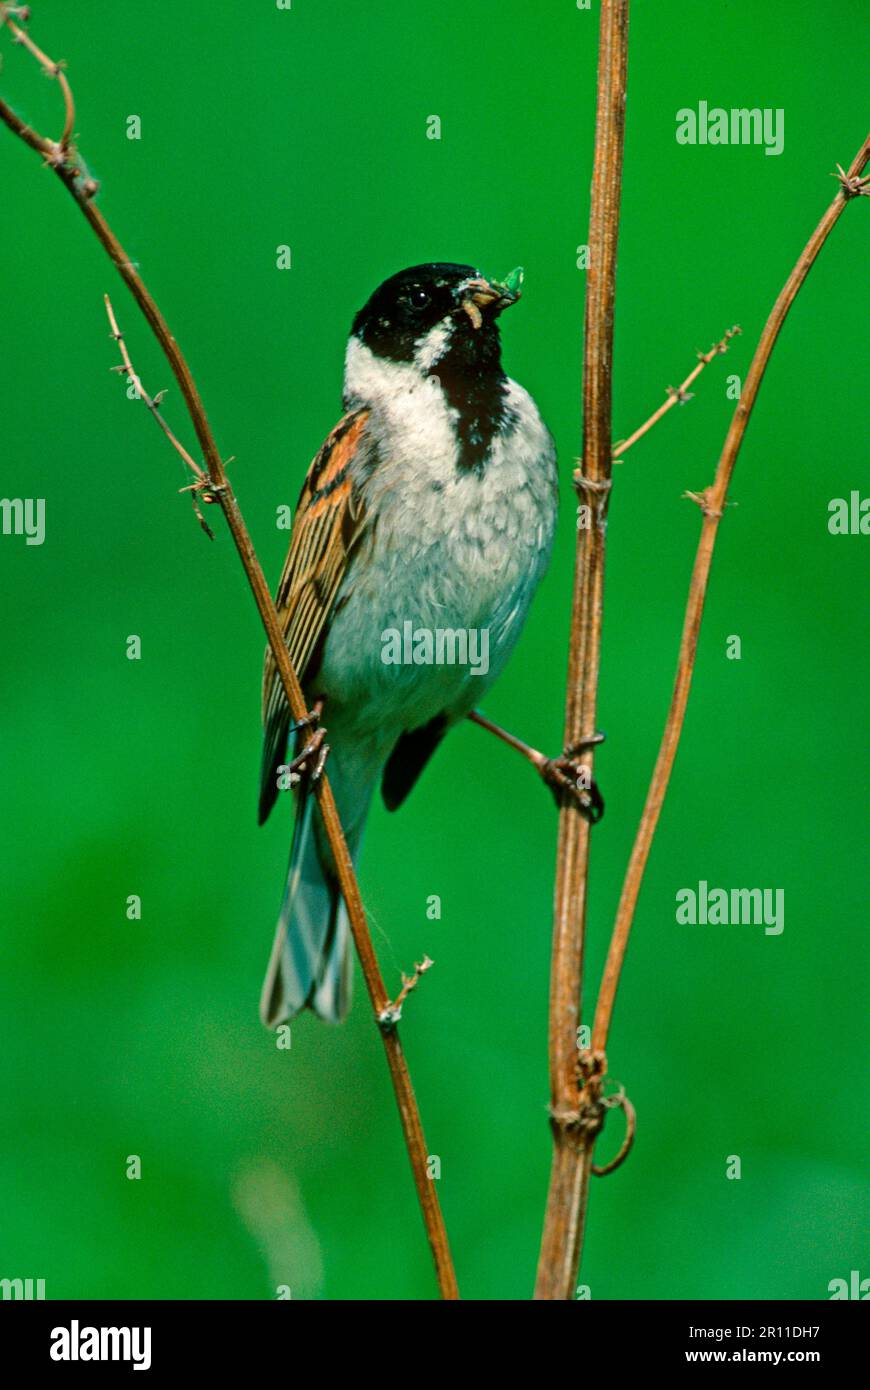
point(479, 294)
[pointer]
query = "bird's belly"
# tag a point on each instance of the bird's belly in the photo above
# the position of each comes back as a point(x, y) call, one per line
point(428, 617)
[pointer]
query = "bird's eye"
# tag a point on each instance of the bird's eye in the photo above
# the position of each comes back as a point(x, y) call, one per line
point(419, 299)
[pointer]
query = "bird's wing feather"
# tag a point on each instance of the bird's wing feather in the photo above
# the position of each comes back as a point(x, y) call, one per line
point(408, 758)
point(328, 522)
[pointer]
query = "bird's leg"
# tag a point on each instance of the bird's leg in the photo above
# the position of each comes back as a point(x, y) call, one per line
point(569, 779)
point(311, 759)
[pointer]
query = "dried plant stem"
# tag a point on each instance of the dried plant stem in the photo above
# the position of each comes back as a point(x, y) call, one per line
point(152, 402)
point(65, 163)
point(712, 502)
point(677, 395)
point(50, 68)
point(569, 1177)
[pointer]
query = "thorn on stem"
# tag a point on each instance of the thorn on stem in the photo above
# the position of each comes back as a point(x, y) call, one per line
point(853, 186)
point(704, 501)
point(679, 393)
point(392, 1012)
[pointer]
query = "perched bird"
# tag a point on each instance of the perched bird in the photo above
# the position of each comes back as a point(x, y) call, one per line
point(429, 509)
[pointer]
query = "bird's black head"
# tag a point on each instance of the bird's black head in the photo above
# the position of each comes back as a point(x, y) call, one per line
point(440, 316)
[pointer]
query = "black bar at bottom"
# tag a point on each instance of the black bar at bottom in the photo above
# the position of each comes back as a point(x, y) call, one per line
point(280, 1340)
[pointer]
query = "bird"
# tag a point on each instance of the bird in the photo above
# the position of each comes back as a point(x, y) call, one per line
point(430, 509)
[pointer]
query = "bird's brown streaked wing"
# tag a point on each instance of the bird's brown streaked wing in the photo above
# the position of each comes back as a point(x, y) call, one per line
point(328, 521)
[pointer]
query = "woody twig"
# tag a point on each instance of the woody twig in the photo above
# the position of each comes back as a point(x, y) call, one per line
point(577, 1107)
point(393, 1012)
point(63, 158)
point(571, 1120)
point(676, 395)
point(712, 502)
point(200, 485)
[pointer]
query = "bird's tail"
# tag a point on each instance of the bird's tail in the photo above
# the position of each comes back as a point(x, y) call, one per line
point(310, 965)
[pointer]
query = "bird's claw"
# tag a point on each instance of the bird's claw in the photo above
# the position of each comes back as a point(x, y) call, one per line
point(310, 761)
point(311, 720)
point(570, 780)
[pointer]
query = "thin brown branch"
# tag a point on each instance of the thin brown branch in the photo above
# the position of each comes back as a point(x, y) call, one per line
point(712, 502)
point(676, 395)
point(199, 488)
point(393, 1012)
point(572, 1137)
point(50, 68)
point(70, 172)
point(152, 402)
point(622, 1101)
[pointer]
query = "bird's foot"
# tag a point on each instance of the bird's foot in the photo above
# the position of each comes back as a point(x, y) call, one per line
point(311, 720)
point(571, 780)
point(311, 759)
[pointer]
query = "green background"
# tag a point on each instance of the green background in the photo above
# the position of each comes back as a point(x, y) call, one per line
point(307, 127)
